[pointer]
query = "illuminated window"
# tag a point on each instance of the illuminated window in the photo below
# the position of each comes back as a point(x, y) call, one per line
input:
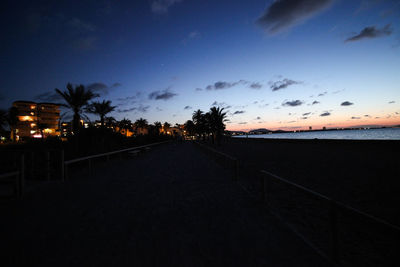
point(25, 118)
point(32, 107)
point(33, 124)
point(32, 113)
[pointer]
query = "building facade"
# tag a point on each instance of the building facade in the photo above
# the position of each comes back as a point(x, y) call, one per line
point(35, 120)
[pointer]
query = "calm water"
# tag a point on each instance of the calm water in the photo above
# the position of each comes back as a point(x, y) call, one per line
point(371, 134)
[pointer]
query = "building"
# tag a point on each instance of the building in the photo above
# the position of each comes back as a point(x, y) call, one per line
point(35, 120)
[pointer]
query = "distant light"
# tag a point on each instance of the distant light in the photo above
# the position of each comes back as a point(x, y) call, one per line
point(37, 136)
point(33, 107)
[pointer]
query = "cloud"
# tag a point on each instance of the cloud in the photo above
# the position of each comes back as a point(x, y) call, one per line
point(50, 96)
point(325, 114)
point(224, 85)
point(346, 103)
point(220, 104)
point(304, 118)
point(126, 110)
point(391, 102)
point(140, 108)
point(258, 118)
point(80, 25)
point(162, 95)
point(238, 112)
point(187, 107)
point(85, 43)
point(306, 114)
point(355, 118)
point(255, 85)
point(102, 88)
point(322, 94)
point(278, 85)
point(283, 14)
point(371, 32)
point(315, 102)
point(162, 6)
point(242, 123)
point(199, 89)
point(191, 36)
point(292, 103)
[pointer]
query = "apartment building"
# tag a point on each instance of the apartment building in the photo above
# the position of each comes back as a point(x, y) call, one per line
point(36, 120)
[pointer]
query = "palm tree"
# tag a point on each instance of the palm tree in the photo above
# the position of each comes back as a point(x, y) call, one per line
point(125, 124)
point(76, 98)
point(216, 122)
point(110, 122)
point(141, 124)
point(199, 121)
point(166, 127)
point(157, 126)
point(12, 119)
point(190, 128)
point(3, 119)
point(101, 109)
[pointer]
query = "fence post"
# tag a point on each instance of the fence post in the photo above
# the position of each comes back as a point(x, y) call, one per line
point(48, 165)
point(90, 167)
point(236, 170)
point(21, 177)
point(62, 166)
point(264, 197)
point(334, 231)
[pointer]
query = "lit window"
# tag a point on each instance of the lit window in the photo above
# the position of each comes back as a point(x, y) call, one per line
point(32, 107)
point(33, 124)
point(32, 113)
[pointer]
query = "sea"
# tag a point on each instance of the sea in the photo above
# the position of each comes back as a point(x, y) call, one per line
point(364, 134)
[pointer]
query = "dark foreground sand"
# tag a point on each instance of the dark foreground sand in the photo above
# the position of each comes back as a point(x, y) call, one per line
point(361, 174)
point(364, 174)
point(172, 206)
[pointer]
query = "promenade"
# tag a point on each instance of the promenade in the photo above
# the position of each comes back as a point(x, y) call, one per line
point(171, 206)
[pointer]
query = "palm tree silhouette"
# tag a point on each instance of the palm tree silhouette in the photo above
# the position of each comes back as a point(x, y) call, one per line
point(216, 122)
point(3, 119)
point(190, 128)
point(141, 124)
point(126, 125)
point(12, 119)
point(199, 122)
point(101, 109)
point(157, 126)
point(77, 98)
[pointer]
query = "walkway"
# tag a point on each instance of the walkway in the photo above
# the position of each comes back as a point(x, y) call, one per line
point(172, 206)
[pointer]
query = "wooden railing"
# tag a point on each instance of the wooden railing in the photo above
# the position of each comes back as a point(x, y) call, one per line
point(222, 158)
point(89, 159)
point(334, 208)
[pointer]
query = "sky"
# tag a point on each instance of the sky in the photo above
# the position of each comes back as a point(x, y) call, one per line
point(284, 64)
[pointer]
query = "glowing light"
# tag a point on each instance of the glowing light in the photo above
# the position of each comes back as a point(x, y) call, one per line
point(33, 124)
point(37, 136)
point(33, 107)
point(25, 118)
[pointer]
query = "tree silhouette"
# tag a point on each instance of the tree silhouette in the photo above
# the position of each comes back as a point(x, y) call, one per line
point(76, 99)
point(140, 125)
point(198, 118)
point(3, 119)
point(125, 124)
point(190, 128)
point(157, 126)
point(216, 122)
point(12, 119)
point(101, 109)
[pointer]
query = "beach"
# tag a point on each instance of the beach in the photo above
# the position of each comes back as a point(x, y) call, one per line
point(361, 173)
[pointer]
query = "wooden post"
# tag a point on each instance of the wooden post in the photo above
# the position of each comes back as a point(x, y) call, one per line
point(48, 165)
point(21, 177)
point(263, 187)
point(62, 166)
point(236, 170)
point(90, 167)
point(334, 231)
point(66, 172)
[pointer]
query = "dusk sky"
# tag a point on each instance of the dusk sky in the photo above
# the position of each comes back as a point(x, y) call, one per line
point(271, 64)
